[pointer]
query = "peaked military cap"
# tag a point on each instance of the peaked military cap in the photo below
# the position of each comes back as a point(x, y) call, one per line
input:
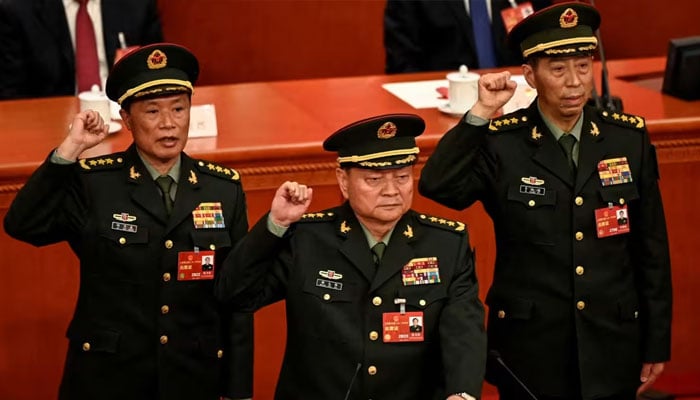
point(153, 70)
point(381, 142)
point(564, 29)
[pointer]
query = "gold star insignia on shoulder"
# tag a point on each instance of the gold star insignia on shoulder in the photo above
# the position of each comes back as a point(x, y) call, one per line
point(317, 216)
point(192, 178)
point(507, 122)
point(452, 226)
point(218, 171)
point(594, 129)
point(408, 232)
point(626, 120)
point(102, 163)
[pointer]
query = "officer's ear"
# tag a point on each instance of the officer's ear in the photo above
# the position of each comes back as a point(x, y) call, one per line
point(126, 117)
point(342, 176)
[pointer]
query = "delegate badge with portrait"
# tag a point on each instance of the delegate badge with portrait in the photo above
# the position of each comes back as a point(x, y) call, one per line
point(403, 327)
point(195, 265)
point(611, 221)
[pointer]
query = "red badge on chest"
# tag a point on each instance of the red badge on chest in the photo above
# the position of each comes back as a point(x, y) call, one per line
point(611, 221)
point(403, 327)
point(195, 266)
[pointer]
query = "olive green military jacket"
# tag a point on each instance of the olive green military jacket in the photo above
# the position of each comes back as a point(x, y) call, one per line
point(336, 299)
point(564, 301)
point(138, 330)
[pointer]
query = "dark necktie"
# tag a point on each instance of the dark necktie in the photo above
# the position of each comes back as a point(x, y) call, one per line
point(87, 68)
point(165, 182)
point(483, 37)
point(567, 142)
point(378, 252)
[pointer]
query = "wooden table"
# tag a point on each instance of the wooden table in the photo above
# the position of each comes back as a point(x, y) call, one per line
point(271, 132)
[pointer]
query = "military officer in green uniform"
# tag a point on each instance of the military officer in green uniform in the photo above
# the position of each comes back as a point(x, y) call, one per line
point(354, 277)
point(580, 305)
point(146, 324)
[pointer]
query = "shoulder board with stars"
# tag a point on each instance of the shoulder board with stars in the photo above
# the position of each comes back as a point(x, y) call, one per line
point(102, 163)
point(447, 224)
point(218, 170)
point(318, 216)
point(622, 119)
point(508, 122)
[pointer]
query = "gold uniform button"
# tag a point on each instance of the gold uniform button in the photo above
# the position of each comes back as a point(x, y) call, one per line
point(579, 236)
point(622, 201)
point(86, 346)
point(580, 305)
point(166, 277)
point(579, 201)
point(164, 309)
point(326, 297)
point(122, 240)
point(373, 335)
point(531, 203)
point(372, 370)
point(168, 244)
point(579, 270)
point(377, 301)
point(219, 354)
point(422, 302)
point(163, 339)
point(501, 314)
point(212, 247)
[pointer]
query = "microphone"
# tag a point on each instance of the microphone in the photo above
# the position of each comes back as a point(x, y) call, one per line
point(606, 100)
point(352, 381)
point(494, 354)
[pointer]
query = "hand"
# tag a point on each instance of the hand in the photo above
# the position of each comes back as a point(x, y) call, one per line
point(494, 92)
point(291, 201)
point(87, 130)
point(650, 371)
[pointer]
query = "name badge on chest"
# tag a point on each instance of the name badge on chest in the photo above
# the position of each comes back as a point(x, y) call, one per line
point(195, 265)
point(403, 327)
point(611, 221)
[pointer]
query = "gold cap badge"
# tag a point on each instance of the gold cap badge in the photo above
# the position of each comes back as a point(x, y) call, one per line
point(157, 60)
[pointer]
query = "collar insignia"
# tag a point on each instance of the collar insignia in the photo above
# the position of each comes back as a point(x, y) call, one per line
point(192, 178)
point(535, 135)
point(594, 129)
point(408, 232)
point(344, 228)
point(133, 174)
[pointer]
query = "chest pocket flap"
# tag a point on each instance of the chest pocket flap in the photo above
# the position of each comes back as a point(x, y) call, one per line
point(211, 239)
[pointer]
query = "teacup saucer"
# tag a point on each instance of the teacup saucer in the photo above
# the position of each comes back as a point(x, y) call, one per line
point(445, 108)
point(114, 126)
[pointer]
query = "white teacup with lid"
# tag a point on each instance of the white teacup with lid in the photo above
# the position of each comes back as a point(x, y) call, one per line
point(463, 90)
point(96, 100)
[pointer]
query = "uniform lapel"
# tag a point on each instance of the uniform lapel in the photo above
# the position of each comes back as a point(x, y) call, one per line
point(591, 149)
point(547, 153)
point(186, 199)
point(354, 244)
point(397, 253)
point(144, 192)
